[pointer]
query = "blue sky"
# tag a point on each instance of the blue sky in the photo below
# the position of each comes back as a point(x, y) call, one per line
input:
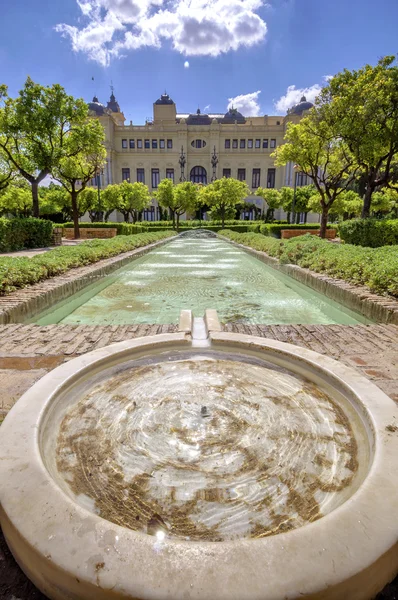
point(247, 50)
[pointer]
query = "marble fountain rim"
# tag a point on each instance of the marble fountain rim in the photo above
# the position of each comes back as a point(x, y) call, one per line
point(69, 552)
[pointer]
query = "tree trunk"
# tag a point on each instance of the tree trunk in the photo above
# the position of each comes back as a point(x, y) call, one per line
point(222, 216)
point(298, 218)
point(75, 213)
point(288, 217)
point(35, 198)
point(173, 216)
point(367, 199)
point(178, 221)
point(126, 216)
point(305, 217)
point(324, 221)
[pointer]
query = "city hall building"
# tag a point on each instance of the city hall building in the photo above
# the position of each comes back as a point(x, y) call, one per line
point(196, 147)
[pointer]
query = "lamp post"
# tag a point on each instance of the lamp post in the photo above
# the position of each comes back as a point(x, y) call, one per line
point(99, 212)
point(294, 193)
point(182, 160)
point(214, 163)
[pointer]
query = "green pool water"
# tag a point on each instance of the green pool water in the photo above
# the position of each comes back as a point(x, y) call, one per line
point(197, 274)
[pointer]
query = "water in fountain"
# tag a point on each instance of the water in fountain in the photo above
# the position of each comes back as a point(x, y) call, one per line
point(207, 447)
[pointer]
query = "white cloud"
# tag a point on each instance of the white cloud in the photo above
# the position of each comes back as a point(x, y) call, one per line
point(194, 27)
point(186, 65)
point(206, 108)
point(247, 104)
point(328, 77)
point(293, 96)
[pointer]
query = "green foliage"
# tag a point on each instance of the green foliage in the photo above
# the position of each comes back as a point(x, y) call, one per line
point(224, 194)
point(19, 272)
point(131, 199)
point(17, 234)
point(179, 199)
point(273, 199)
point(348, 202)
point(376, 268)
point(16, 201)
point(371, 233)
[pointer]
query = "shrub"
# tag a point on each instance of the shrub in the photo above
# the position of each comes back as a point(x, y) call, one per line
point(20, 272)
point(275, 229)
point(17, 234)
point(371, 233)
point(376, 268)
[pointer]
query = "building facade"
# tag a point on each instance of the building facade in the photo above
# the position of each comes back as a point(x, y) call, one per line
point(196, 147)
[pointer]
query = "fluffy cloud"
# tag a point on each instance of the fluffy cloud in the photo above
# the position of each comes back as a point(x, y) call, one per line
point(247, 104)
point(293, 96)
point(194, 27)
point(186, 65)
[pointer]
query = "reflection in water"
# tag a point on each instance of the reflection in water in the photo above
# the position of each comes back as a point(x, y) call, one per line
point(199, 448)
point(197, 274)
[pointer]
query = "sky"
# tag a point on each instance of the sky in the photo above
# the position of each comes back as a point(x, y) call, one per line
point(258, 56)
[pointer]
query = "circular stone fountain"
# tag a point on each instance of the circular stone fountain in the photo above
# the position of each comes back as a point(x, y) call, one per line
point(247, 470)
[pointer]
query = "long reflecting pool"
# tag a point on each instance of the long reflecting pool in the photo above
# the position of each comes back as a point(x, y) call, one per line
point(199, 274)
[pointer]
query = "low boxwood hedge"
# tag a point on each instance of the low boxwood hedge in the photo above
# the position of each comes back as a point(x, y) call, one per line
point(18, 234)
point(122, 228)
point(19, 272)
point(376, 268)
point(371, 233)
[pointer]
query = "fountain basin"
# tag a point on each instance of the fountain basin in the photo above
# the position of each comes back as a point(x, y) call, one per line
point(332, 534)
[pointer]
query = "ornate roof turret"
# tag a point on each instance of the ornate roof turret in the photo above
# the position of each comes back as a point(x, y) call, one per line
point(233, 115)
point(113, 105)
point(299, 108)
point(164, 99)
point(96, 106)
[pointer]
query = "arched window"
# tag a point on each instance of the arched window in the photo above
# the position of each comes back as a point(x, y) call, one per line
point(198, 175)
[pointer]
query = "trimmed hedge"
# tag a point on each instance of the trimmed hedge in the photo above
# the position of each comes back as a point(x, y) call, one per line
point(274, 229)
point(371, 233)
point(19, 272)
point(375, 268)
point(18, 234)
point(122, 228)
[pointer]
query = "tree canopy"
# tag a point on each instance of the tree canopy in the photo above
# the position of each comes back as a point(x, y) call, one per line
point(223, 194)
point(273, 199)
point(179, 198)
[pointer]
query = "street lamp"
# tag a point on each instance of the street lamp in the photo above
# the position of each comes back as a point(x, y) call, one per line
point(214, 163)
point(296, 171)
point(182, 160)
point(98, 174)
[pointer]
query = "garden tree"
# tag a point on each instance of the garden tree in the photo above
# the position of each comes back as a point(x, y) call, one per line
point(362, 109)
point(84, 155)
point(348, 204)
point(132, 199)
point(165, 197)
point(89, 196)
point(384, 201)
point(53, 200)
point(287, 194)
point(223, 194)
point(273, 199)
point(34, 128)
point(7, 173)
point(303, 195)
point(186, 197)
point(230, 213)
point(109, 199)
point(17, 201)
point(314, 148)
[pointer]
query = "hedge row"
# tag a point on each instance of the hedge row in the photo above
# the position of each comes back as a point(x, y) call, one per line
point(122, 228)
point(274, 229)
point(19, 272)
point(376, 268)
point(372, 233)
point(17, 234)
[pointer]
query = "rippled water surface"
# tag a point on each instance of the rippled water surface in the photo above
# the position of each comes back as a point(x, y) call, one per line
point(204, 448)
point(198, 274)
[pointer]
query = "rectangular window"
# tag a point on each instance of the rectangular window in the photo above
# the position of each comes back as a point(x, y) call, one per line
point(258, 143)
point(198, 143)
point(234, 143)
point(169, 144)
point(241, 174)
point(273, 143)
point(271, 178)
point(265, 143)
point(147, 144)
point(226, 173)
point(161, 144)
point(256, 178)
point(242, 144)
point(132, 143)
point(139, 144)
point(125, 174)
point(250, 143)
point(170, 174)
point(154, 144)
point(124, 143)
point(155, 178)
point(227, 144)
point(141, 175)
point(301, 179)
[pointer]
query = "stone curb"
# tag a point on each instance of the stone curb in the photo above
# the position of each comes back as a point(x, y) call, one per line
point(26, 302)
point(382, 309)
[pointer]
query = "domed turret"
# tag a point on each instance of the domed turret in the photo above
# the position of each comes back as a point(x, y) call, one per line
point(299, 108)
point(113, 105)
point(164, 99)
point(233, 115)
point(96, 106)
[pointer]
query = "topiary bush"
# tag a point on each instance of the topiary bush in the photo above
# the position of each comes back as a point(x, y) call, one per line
point(371, 233)
point(19, 272)
point(18, 234)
